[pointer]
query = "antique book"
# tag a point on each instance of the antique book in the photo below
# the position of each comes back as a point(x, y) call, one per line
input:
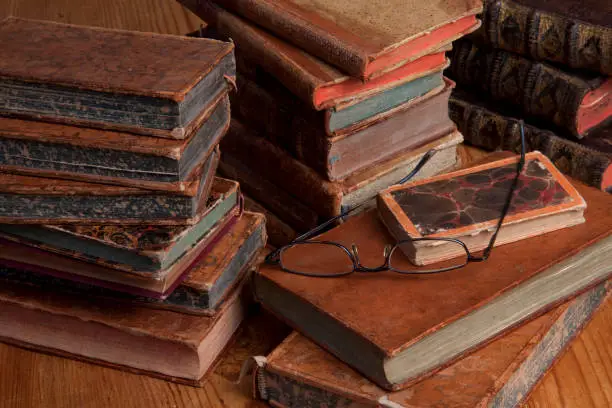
point(362, 38)
point(39, 200)
point(492, 126)
point(316, 83)
point(467, 204)
point(247, 153)
point(397, 329)
point(502, 374)
point(111, 157)
point(206, 284)
point(408, 126)
point(143, 249)
point(158, 284)
point(147, 83)
point(279, 233)
point(575, 33)
point(161, 343)
point(573, 102)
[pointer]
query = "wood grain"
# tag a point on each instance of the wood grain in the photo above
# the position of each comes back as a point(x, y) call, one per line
point(581, 379)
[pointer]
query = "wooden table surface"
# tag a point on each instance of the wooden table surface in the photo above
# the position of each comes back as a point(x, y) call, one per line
point(581, 379)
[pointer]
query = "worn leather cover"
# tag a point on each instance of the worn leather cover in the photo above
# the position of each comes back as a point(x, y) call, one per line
point(300, 373)
point(414, 306)
point(493, 126)
point(361, 37)
point(541, 91)
point(575, 33)
point(279, 232)
point(305, 75)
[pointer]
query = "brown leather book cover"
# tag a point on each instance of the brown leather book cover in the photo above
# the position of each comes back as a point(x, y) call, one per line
point(370, 319)
point(279, 232)
point(147, 83)
point(502, 374)
point(364, 38)
point(315, 82)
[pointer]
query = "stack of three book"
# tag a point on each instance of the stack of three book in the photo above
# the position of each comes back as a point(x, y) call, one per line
point(113, 226)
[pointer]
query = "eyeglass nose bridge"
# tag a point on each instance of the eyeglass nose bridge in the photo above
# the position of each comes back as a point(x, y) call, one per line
point(361, 268)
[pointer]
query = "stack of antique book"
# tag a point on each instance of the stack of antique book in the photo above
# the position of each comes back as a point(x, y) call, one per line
point(336, 100)
point(115, 232)
point(547, 62)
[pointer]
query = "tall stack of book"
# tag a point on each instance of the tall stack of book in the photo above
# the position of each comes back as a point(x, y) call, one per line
point(335, 101)
point(549, 62)
point(115, 233)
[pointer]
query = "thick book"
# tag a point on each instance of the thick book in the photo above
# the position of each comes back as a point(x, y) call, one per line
point(502, 374)
point(111, 157)
point(142, 249)
point(493, 126)
point(146, 83)
point(572, 102)
point(466, 205)
point(206, 285)
point(576, 33)
point(257, 160)
point(161, 343)
point(397, 329)
point(361, 37)
point(40, 200)
point(315, 82)
point(406, 127)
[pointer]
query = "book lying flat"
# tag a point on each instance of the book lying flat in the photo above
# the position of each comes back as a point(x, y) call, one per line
point(362, 37)
point(206, 285)
point(147, 249)
point(110, 157)
point(318, 84)
point(398, 329)
point(161, 343)
point(466, 205)
point(146, 83)
point(501, 374)
point(40, 200)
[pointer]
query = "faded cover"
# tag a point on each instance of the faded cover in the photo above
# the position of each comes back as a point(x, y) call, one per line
point(576, 33)
point(413, 307)
point(38, 200)
point(361, 37)
point(151, 242)
point(502, 374)
point(540, 90)
point(305, 75)
point(492, 126)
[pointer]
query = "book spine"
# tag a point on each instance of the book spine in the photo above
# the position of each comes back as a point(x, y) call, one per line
point(491, 131)
point(546, 36)
point(540, 90)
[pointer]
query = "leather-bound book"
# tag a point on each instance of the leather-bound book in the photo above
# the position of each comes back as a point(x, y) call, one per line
point(145, 83)
point(363, 38)
point(257, 160)
point(162, 343)
point(279, 232)
point(502, 374)
point(207, 282)
point(40, 200)
point(399, 329)
point(572, 102)
point(575, 33)
point(493, 126)
point(110, 157)
point(142, 249)
point(316, 83)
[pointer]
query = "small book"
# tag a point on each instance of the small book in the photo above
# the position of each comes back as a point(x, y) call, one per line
point(102, 156)
point(399, 329)
point(502, 374)
point(145, 83)
point(206, 284)
point(40, 200)
point(361, 37)
point(143, 249)
point(467, 205)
